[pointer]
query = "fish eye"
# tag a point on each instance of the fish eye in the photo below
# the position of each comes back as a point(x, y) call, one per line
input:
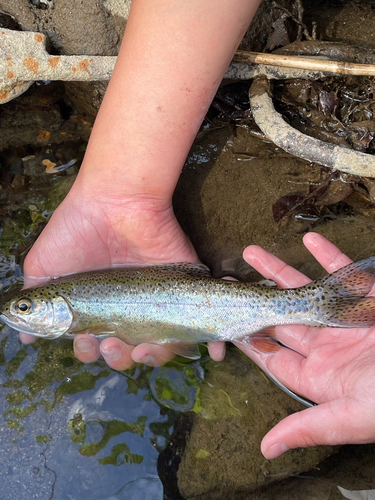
point(23, 306)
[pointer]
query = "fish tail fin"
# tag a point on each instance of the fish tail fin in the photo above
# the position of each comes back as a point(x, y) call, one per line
point(344, 300)
point(353, 312)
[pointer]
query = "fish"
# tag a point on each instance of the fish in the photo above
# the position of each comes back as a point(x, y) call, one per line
point(181, 305)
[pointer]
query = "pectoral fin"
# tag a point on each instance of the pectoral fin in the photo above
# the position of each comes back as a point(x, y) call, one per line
point(99, 331)
point(187, 350)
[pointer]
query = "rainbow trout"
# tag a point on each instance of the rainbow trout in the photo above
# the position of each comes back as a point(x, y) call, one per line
point(181, 305)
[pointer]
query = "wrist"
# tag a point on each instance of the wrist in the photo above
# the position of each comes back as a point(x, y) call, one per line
point(100, 189)
point(121, 177)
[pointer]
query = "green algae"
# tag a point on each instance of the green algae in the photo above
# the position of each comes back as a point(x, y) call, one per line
point(202, 454)
point(114, 428)
point(2, 347)
point(80, 382)
point(78, 426)
point(16, 398)
point(15, 363)
point(12, 424)
point(43, 438)
point(120, 455)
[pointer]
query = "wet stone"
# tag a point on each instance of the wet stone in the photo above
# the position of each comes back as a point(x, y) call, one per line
point(222, 456)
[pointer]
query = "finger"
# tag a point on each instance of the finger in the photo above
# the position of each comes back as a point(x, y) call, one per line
point(151, 354)
point(283, 364)
point(331, 423)
point(325, 252)
point(216, 350)
point(116, 353)
point(31, 281)
point(25, 338)
point(272, 267)
point(86, 348)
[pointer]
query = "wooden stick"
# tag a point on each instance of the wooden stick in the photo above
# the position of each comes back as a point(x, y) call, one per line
point(305, 63)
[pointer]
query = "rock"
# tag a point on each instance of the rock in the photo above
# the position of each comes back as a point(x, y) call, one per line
point(237, 405)
point(96, 27)
point(224, 203)
point(75, 28)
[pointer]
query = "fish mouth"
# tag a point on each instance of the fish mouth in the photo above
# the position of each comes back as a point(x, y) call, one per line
point(16, 325)
point(23, 328)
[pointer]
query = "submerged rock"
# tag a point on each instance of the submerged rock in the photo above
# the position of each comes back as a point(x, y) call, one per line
point(237, 406)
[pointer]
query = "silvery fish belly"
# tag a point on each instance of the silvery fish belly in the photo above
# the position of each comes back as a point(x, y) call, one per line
point(181, 304)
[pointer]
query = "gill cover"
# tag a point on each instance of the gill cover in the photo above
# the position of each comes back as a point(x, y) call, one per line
point(39, 317)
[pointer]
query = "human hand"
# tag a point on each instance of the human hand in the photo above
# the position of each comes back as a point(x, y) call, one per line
point(154, 105)
point(91, 232)
point(335, 367)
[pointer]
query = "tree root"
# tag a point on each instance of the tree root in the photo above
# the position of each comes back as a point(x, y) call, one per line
point(303, 146)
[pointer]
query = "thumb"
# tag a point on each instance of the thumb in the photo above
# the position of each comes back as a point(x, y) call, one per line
point(326, 424)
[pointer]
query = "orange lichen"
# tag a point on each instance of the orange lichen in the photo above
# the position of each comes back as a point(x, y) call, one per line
point(54, 61)
point(43, 136)
point(84, 64)
point(10, 74)
point(31, 64)
point(3, 95)
point(38, 37)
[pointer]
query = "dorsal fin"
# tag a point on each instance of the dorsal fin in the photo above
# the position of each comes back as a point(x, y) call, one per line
point(199, 270)
point(193, 269)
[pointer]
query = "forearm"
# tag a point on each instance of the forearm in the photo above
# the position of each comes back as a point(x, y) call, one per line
point(173, 57)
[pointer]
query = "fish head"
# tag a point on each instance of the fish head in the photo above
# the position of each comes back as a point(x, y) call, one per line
point(37, 311)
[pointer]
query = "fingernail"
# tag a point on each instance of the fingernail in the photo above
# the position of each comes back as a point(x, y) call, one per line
point(276, 450)
point(84, 345)
point(111, 353)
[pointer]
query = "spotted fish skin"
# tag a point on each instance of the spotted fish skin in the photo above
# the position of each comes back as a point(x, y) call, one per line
point(168, 304)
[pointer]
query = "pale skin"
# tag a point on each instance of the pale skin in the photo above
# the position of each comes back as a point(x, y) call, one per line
point(119, 210)
point(335, 367)
point(172, 60)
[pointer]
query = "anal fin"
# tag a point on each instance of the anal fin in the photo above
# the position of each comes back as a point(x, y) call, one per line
point(265, 341)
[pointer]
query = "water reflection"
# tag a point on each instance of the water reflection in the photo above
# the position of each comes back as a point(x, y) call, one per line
point(65, 424)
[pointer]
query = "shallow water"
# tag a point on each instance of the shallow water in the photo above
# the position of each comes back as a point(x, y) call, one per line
point(69, 430)
point(63, 424)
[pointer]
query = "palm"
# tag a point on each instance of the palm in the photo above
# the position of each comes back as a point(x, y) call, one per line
point(87, 234)
point(333, 367)
point(336, 365)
